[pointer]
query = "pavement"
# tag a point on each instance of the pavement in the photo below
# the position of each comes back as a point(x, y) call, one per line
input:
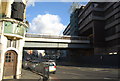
point(26, 74)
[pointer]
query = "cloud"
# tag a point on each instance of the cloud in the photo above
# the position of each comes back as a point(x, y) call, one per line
point(46, 24)
point(31, 3)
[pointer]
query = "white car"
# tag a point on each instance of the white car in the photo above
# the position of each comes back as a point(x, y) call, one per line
point(52, 67)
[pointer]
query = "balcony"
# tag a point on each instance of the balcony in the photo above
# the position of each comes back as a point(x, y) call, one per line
point(118, 28)
point(98, 9)
point(14, 27)
point(87, 27)
point(117, 10)
point(112, 24)
point(85, 23)
point(117, 16)
point(98, 18)
point(85, 13)
point(109, 5)
point(116, 5)
point(89, 20)
point(116, 36)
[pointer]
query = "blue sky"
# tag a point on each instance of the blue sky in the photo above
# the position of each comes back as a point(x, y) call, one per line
point(55, 8)
point(41, 10)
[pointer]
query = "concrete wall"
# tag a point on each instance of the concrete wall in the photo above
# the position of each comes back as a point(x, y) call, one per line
point(92, 61)
point(99, 60)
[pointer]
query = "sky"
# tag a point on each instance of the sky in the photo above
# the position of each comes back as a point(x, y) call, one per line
point(48, 17)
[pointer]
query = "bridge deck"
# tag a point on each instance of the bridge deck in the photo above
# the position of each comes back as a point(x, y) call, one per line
point(52, 41)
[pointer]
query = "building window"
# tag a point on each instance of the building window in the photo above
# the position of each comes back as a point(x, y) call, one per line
point(12, 43)
point(9, 43)
point(95, 5)
point(8, 57)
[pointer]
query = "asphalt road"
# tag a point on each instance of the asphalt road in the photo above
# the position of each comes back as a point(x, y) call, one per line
point(67, 72)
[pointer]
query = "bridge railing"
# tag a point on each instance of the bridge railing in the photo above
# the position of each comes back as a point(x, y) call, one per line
point(56, 37)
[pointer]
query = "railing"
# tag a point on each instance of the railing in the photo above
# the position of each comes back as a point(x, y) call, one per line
point(29, 35)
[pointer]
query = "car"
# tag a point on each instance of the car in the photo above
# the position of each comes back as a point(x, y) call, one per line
point(52, 67)
point(33, 64)
point(37, 66)
point(25, 64)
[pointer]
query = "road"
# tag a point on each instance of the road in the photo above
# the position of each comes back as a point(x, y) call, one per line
point(67, 72)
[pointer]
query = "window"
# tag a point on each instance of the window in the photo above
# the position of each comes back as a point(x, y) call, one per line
point(95, 5)
point(12, 43)
point(8, 57)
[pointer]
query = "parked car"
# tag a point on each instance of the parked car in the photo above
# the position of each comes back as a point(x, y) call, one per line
point(25, 64)
point(33, 64)
point(52, 66)
point(38, 66)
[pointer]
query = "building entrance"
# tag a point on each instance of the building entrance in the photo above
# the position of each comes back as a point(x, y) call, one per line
point(10, 65)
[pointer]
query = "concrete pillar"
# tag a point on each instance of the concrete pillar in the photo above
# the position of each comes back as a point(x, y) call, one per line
point(19, 64)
